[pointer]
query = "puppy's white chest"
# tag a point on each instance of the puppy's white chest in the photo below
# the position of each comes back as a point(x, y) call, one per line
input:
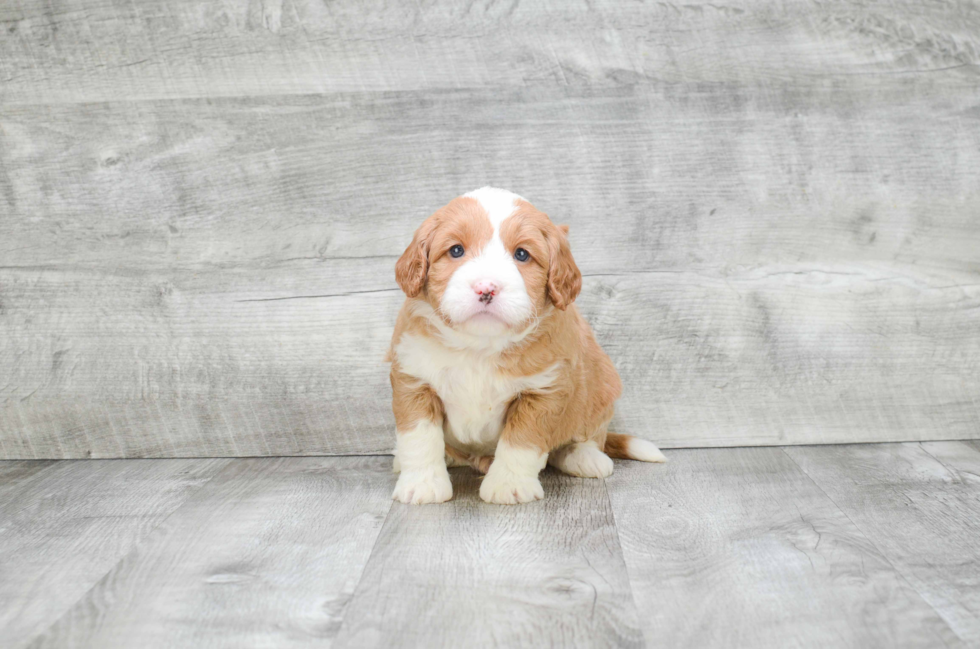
point(475, 398)
point(474, 393)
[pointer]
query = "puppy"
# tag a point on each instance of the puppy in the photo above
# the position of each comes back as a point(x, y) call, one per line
point(492, 365)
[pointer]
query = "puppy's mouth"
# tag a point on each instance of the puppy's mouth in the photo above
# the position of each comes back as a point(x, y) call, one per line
point(485, 315)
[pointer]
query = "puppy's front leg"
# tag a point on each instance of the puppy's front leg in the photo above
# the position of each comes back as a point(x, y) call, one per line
point(420, 450)
point(521, 452)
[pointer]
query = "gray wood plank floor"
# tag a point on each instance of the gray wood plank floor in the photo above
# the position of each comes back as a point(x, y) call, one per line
point(268, 555)
point(65, 525)
point(851, 546)
point(550, 573)
point(919, 504)
point(768, 557)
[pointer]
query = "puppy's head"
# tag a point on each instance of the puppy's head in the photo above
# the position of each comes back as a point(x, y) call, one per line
point(489, 262)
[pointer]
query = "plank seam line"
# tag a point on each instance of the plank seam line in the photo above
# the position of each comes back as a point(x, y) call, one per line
point(136, 544)
point(304, 93)
point(884, 556)
point(622, 556)
point(953, 470)
point(360, 576)
point(311, 297)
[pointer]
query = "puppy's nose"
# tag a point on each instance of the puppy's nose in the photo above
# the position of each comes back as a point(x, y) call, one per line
point(486, 287)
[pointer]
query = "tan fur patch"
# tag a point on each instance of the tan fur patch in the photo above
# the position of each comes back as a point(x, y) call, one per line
point(426, 266)
point(413, 401)
point(553, 275)
point(617, 446)
point(479, 462)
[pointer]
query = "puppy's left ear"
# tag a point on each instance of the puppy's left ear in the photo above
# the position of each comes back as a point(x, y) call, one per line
point(564, 277)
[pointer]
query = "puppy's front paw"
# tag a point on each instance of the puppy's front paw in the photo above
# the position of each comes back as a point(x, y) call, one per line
point(506, 488)
point(429, 485)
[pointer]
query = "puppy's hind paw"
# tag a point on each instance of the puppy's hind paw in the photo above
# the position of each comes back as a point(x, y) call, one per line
point(584, 460)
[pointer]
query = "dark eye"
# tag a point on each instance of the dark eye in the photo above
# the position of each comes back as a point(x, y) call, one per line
point(456, 251)
point(521, 254)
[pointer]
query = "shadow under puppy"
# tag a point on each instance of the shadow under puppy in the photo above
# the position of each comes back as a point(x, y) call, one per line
point(492, 365)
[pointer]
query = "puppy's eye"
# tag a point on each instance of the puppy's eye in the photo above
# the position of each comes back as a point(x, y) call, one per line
point(521, 254)
point(456, 251)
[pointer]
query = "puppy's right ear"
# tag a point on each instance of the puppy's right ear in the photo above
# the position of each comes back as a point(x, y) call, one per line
point(413, 266)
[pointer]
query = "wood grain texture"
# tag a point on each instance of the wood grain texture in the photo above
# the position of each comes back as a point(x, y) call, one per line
point(80, 50)
point(469, 574)
point(152, 327)
point(267, 555)
point(738, 547)
point(14, 474)
point(720, 547)
point(66, 526)
point(774, 206)
point(920, 505)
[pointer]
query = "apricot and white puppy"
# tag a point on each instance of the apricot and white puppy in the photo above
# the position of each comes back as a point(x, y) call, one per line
point(491, 363)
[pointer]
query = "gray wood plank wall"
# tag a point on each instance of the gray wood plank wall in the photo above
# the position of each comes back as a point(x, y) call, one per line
point(775, 205)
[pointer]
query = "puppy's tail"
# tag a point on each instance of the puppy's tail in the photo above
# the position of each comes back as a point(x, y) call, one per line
point(627, 447)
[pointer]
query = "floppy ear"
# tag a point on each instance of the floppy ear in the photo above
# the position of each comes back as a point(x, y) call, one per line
point(564, 277)
point(413, 266)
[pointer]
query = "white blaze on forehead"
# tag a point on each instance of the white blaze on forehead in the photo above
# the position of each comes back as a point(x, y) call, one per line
point(499, 203)
point(493, 263)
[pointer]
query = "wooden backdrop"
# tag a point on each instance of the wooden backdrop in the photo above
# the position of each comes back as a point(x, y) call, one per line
point(776, 206)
